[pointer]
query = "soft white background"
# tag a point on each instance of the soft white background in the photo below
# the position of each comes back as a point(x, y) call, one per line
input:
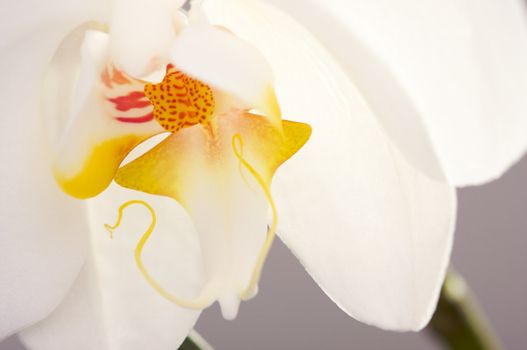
point(292, 313)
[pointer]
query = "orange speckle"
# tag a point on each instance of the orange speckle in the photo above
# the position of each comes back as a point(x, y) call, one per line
point(190, 111)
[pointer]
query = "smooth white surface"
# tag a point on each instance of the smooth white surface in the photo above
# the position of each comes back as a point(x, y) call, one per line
point(447, 79)
point(43, 233)
point(373, 232)
point(76, 323)
point(141, 32)
point(25, 19)
point(112, 306)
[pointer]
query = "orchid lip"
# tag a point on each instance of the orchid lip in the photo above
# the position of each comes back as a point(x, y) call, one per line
point(203, 167)
point(230, 301)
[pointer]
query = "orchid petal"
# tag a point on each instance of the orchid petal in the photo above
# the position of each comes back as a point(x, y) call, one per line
point(43, 232)
point(371, 230)
point(107, 116)
point(112, 306)
point(229, 64)
point(141, 34)
point(21, 20)
point(80, 310)
point(447, 79)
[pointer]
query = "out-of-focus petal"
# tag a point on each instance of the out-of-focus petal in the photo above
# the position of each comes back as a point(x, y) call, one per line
point(141, 33)
point(112, 307)
point(446, 78)
point(22, 20)
point(77, 323)
point(43, 233)
point(372, 231)
point(229, 64)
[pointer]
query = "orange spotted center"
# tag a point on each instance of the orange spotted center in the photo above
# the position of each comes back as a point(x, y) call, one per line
point(180, 101)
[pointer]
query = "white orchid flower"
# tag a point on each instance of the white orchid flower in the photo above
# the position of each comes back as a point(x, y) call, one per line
point(365, 213)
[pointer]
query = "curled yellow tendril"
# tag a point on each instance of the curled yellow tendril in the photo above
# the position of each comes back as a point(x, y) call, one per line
point(198, 303)
point(237, 147)
point(205, 299)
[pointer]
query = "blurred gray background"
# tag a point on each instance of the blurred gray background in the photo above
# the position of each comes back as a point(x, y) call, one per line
point(291, 312)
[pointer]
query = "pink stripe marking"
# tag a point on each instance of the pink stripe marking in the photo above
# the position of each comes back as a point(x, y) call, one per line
point(136, 120)
point(132, 100)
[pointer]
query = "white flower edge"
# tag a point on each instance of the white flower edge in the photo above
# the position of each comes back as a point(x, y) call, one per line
point(453, 70)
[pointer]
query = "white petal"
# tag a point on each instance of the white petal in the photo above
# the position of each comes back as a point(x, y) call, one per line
point(22, 20)
point(76, 323)
point(141, 33)
point(43, 233)
point(373, 232)
point(446, 78)
point(96, 113)
point(233, 66)
point(112, 306)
